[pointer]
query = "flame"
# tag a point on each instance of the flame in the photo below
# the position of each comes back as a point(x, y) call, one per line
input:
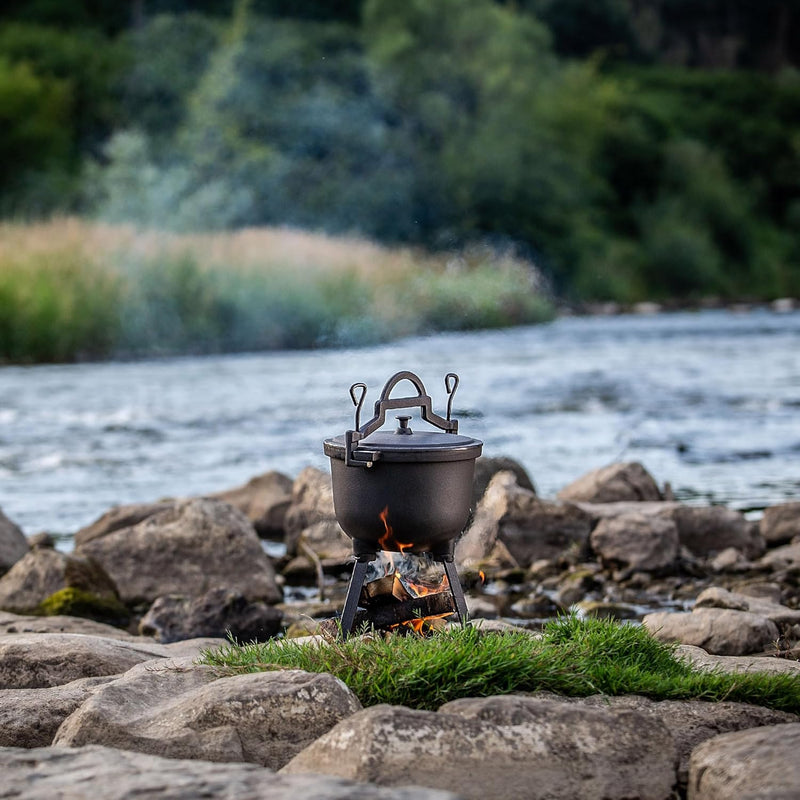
point(418, 624)
point(482, 575)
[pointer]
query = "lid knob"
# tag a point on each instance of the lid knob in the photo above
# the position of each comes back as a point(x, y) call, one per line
point(403, 420)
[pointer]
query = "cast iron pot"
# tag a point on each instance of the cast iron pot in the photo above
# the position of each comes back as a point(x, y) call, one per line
point(405, 490)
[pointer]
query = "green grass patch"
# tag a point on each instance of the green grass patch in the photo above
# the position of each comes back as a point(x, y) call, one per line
point(574, 658)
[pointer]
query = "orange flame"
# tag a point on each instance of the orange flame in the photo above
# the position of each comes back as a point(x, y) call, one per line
point(482, 575)
point(387, 542)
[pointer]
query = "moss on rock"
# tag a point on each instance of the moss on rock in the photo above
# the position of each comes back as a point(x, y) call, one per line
point(75, 602)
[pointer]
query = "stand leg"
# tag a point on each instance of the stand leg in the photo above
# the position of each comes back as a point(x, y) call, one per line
point(353, 595)
point(457, 591)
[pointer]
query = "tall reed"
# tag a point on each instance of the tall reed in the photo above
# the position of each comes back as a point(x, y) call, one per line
point(71, 290)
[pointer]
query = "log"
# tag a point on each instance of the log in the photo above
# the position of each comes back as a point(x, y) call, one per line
point(383, 616)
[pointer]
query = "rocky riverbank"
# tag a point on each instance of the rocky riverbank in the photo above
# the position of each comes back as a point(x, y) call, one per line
point(100, 690)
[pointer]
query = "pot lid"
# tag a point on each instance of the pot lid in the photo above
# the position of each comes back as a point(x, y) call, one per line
point(404, 444)
point(366, 444)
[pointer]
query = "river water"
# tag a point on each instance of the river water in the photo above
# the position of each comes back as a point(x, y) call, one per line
point(708, 401)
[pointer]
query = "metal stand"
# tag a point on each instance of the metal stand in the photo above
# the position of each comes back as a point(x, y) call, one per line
point(357, 583)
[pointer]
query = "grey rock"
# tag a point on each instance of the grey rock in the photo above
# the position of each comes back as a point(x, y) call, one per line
point(780, 524)
point(611, 484)
point(717, 597)
point(181, 710)
point(264, 500)
point(312, 502)
point(13, 544)
point(31, 717)
point(217, 614)
point(189, 548)
point(692, 722)
point(649, 508)
point(31, 661)
point(513, 521)
point(120, 517)
point(757, 764)
point(20, 623)
point(717, 630)
point(636, 543)
point(501, 747)
point(487, 467)
point(711, 529)
point(57, 773)
point(43, 572)
point(708, 662)
point(786, 557)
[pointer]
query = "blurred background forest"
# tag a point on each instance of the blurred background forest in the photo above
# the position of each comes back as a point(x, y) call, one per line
point(629, 149)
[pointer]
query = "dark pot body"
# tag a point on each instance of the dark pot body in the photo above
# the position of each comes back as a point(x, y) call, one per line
point(427, 503)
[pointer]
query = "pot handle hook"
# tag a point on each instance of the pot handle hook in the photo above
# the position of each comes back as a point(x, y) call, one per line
point(358, 402)
point(450, 378)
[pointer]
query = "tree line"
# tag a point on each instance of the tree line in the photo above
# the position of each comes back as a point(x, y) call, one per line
point(632, 149)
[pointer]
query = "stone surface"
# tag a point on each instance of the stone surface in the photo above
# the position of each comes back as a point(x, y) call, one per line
point(711, 529)
point(780, 524)
point(487, 467)
point(31, 717)
point(611, 484)
point(717, 597)
point(692, 722)
point(20, 623)
point(181, 710)
point(216, 614)
point(31, 661)
point(312, 502)
point(501, 747)
point(120, 517)
point(188, 548)
point(757, 764)
point(13, 544)
point(636, 543)
point(513, 521)
point(264, 500)
point(717, 630)
point(702, 660)
point(786, 557)
point(58, 773)
point(42, 572)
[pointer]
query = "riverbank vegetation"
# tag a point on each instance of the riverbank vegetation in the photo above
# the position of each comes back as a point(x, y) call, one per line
point(574, 657)
point(71, 290)
point(630, 151)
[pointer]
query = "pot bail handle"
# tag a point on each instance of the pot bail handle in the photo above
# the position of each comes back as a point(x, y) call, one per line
point(450, 378)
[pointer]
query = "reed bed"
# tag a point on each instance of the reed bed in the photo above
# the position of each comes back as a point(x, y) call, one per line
point(71, 290)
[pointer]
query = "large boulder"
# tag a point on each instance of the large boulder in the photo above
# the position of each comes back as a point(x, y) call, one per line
point(217, 613)
point(717, 630)
point(784, 558)
point(711, 529)
point(60, 623)
point(31, 717)
point(513, 520)
point(636, 543)
point(189, 548)
point(48, 581)
point(501, 747)
point(264, 500)
point(13, 544)
point(59, 773)
point(182, 710)
point(312, 503)
point(757, 764)
point(780, 524)
point(120, 517)
point(487, 467)
point(33, 661)
point(611, 484)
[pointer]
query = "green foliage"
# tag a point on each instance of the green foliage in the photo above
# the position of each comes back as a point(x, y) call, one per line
point(573, 657)
point(56, 306)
